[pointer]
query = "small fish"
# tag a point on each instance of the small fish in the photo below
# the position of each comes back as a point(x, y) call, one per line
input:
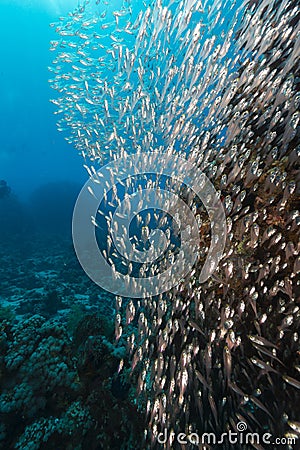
point(227, 363)
point(260, 340)
point(294, 426)
point(292, 381)
point(214, 82)
point(201, 379)
point(259, 404)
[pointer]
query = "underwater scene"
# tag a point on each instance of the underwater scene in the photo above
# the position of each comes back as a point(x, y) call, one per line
point(149, 224)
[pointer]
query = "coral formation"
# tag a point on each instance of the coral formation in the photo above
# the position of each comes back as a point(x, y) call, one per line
point(60, 391)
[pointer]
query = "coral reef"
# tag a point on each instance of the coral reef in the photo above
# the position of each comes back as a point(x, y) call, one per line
point(61, 391)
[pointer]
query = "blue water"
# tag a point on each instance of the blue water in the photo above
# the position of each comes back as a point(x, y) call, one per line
point(32, 152)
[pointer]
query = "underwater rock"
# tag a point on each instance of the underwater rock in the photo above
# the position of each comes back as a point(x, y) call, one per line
point(14, 218)
point(5, 190)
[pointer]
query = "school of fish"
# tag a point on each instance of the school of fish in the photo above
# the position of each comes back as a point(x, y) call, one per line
point(216, 82)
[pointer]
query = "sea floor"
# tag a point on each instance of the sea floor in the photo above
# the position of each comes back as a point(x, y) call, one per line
point(41, 275)
point(59, 383)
